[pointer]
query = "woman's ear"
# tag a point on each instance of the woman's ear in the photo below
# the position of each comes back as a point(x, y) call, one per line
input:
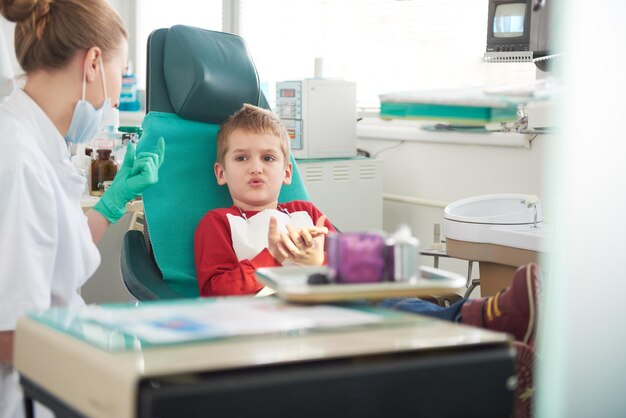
point(92, 62)
point(220, 175)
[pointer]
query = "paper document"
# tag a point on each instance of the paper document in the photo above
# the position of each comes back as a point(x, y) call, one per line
point(174, 323)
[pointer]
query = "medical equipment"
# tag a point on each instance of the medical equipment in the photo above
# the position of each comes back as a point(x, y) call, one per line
point(317, 284)
point(518, 31)
point(320, 116)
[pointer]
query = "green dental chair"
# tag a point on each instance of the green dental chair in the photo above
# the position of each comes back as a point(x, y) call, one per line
point(195, 79)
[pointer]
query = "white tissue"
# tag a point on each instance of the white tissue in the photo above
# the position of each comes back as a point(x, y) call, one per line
point(402, 236)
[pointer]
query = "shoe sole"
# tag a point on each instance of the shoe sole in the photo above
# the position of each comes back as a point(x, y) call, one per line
point(524, 393)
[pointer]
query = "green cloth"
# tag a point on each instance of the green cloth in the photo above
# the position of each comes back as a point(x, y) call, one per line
point(186, 190)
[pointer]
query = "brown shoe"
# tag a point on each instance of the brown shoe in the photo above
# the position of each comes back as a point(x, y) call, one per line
point(512, 310)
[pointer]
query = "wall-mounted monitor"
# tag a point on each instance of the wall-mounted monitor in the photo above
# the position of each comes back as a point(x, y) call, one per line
point(517, 30)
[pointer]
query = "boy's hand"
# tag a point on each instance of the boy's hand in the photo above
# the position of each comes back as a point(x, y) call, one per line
point(309, 243)
point(303, 246)
point(274, 242)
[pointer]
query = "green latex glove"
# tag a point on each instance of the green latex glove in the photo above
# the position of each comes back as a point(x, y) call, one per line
point(135, 176)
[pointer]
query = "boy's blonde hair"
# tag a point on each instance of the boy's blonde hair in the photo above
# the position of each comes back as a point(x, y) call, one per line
point(255, 120)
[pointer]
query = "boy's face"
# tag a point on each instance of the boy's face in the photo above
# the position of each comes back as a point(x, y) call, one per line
point(254, 170)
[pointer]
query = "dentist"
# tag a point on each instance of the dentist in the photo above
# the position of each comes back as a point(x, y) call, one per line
point(73, 53)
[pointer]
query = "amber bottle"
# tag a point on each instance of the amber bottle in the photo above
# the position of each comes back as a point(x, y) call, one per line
point(103, 168)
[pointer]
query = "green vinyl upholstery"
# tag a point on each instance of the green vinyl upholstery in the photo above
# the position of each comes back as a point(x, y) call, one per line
point(196, 79)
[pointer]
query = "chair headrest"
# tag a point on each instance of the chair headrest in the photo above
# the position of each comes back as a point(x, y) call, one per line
point(209, 75)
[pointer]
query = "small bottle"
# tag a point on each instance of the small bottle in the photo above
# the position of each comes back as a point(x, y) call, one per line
point(103, 168)
point(82, 163)
point(108, 137)
point(129, 98)
point(404, 255)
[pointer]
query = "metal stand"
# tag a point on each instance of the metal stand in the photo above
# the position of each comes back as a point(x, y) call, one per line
point(475, 283)
point(471, 284)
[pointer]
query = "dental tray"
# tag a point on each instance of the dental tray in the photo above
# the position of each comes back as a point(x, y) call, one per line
point(290, 284)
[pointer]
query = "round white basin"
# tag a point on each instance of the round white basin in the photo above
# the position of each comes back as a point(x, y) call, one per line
point(510, 219)
point(506, 208)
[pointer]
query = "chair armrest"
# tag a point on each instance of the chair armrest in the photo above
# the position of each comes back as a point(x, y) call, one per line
point(139, 271)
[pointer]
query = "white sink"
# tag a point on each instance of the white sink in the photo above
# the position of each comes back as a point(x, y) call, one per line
point(510, 219)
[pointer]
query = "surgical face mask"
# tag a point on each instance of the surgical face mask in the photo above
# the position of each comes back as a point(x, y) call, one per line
point(87, 121)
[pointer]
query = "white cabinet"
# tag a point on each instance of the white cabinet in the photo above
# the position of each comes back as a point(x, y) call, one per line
point(349, 191)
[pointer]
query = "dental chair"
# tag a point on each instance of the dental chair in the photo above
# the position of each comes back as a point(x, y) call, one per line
point(196, 78)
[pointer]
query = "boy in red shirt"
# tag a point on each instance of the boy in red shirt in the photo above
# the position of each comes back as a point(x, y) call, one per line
point(257, 231)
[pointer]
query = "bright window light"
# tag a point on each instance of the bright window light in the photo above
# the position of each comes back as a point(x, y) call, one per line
point(156, 14)
point(383, 45)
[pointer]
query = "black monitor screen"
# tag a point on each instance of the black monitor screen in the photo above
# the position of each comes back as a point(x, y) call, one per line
point(508, 20)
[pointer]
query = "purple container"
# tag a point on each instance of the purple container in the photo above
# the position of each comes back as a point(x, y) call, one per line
point(357, 257)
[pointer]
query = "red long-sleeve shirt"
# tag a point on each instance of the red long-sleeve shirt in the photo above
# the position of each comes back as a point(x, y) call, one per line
point(218, 270)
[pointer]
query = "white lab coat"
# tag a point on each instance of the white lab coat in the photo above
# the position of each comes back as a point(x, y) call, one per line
point(46, 248)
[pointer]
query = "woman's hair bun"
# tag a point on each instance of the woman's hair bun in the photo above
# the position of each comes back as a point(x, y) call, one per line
point(19, 10)
point(49, 33)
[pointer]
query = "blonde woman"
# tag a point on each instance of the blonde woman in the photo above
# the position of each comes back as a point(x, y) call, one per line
point(73, 54)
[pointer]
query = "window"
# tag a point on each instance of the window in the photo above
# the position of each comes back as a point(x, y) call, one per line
point(155, 14)
point(383, 45)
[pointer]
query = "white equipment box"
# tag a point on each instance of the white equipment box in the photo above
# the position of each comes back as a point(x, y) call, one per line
point(349, 191)
point(320, 116)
